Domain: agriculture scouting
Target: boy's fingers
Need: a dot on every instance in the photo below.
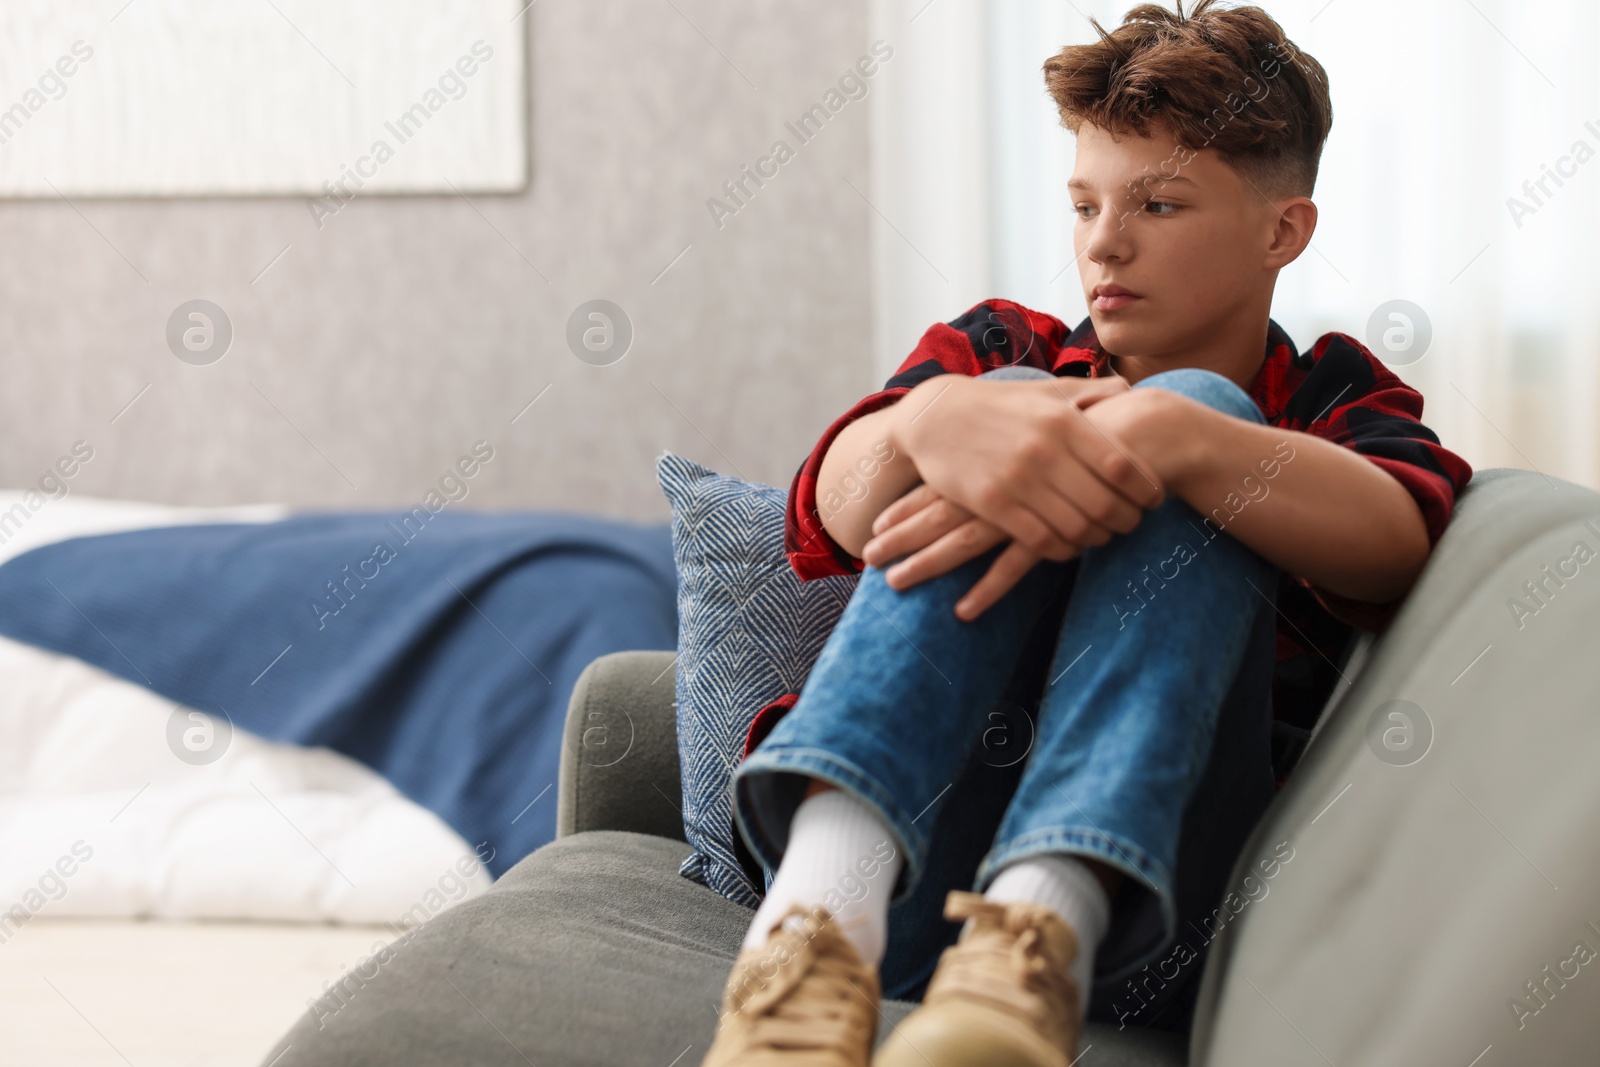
(1023, 524)
(915, 532)
(909, 504)
(1006, 571)
(972, 538)
(1097, 389)
(1136, 478)
(1080, 510)
(1114, 463)
(1085, 392)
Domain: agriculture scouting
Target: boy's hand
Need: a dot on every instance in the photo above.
(1146, 428)
(941, 536)
(1024, 457)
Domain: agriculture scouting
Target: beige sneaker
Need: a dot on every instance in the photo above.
(1001, 997)
(805, 999)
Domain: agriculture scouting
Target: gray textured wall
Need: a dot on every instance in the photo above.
(376, 350)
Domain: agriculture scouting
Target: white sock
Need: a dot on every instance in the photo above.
(842, 856)
(1065, 885)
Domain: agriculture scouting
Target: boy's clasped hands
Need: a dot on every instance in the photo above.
(1053, 466)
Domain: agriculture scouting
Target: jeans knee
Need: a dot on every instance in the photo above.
(1207, 387)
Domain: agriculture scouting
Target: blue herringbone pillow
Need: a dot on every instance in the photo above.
(748, 632)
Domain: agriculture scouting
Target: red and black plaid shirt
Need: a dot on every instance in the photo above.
(1338, 390)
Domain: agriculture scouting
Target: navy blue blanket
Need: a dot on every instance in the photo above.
(441, 655)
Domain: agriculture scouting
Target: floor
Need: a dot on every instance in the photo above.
(86, 993)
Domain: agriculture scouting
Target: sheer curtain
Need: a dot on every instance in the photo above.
(1461, 176)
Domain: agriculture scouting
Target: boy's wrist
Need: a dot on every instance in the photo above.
(1168, 431)
(905, 415)
(1184, 427)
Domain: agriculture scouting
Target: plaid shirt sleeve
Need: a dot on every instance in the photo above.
(1351, 398)
(995, 333)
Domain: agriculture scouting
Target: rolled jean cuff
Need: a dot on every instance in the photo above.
(1120, 853)
(758, 806)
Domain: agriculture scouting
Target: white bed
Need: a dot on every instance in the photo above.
(92, 992)
(155, 912)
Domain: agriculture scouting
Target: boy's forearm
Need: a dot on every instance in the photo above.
(1314, 508)
(862, 473)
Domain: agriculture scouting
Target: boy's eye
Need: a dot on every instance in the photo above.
(1087, 211)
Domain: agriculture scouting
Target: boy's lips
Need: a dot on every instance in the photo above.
(1112, 297)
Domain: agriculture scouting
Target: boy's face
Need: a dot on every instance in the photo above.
(1179, 228)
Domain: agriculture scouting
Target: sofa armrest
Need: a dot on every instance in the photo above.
(619, 755)
(1416, 873)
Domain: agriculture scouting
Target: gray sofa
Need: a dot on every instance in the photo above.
(1416, 894)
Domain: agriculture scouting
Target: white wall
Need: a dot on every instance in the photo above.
(369, 354)
(182, 97)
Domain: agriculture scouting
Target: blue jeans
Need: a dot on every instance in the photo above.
(1116, 706)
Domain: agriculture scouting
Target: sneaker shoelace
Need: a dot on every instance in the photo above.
(1005, 960)
(828, 1011)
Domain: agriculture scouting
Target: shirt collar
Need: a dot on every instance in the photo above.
(1082, 356)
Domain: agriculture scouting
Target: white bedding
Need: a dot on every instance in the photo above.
(99, 818)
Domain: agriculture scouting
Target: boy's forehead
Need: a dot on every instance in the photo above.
(1113, 160)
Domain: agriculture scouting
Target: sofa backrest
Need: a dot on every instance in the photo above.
(1425, 886)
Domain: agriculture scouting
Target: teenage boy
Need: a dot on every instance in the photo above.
(1124, 544)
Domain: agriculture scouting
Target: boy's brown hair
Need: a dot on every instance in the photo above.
(1222, 78)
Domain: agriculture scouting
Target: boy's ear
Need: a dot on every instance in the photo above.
(1296, 222)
